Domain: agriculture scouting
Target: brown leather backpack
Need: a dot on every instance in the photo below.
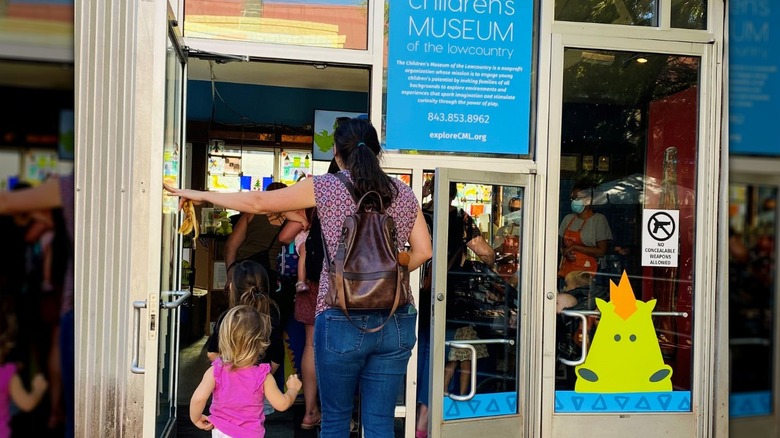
(365, 273)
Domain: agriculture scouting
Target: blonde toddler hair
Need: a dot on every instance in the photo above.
(243, 336)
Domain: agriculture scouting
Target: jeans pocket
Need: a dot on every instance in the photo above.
(341, 335)
(407, 329)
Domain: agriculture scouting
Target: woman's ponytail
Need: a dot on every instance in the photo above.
(358, 145)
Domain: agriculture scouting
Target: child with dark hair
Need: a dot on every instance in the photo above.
(249, 286)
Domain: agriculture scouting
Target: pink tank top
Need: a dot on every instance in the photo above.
(237, 404)
(7, 372)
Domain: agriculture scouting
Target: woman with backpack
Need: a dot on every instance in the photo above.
(369, 349)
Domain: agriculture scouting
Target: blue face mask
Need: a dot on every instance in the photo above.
(577, 206)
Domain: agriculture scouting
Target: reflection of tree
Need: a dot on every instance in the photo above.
(685, 14)
(620, 90)
(606, 11)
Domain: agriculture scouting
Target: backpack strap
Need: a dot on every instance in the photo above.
(338, 264)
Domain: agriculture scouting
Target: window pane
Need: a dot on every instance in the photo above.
(340, 24)
(689, 14)
(628, 168)
(630, 12)
(752, 286)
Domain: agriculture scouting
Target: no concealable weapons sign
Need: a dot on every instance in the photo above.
(660, 237)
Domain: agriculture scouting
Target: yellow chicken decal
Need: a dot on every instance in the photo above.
(625, 355)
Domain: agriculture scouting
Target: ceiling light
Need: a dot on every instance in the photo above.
(320, 66)
(641, 60)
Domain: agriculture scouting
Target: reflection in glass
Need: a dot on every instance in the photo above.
(339, 24)
(639, 112)
(689, 14)
(484, 226)
(685, 14)
(629, 12)
(752, 286)
(170, 276)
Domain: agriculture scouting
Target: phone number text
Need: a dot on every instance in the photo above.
(459, 118)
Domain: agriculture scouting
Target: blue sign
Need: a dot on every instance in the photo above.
(459, 76)
(754, 84)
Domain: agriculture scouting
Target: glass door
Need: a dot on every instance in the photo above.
(481, 225)
(626, 320)
(171, 296)
(753, 304)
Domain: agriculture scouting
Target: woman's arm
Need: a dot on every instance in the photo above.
(296, 197)
(594, 251)
(420, 243)
(482, 249)
(289, 231)
(297, 216)
(236, 238)
(42, 197)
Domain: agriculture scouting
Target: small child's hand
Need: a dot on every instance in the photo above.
(203, 423)
(294, 383)
(39, 384)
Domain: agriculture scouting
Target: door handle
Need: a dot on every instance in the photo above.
(182, 294)
(137, 306)
(469, 344)
(582, 316)
(473, 386)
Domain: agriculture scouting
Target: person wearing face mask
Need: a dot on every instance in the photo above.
(584, 234)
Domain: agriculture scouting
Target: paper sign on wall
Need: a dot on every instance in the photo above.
(660, 238)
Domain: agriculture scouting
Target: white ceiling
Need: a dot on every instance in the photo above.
(281, 74)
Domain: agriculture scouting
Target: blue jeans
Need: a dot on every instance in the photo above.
(347, 358)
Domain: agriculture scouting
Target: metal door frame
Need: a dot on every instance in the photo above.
(760, 171)
(504, 425)
(700, 420)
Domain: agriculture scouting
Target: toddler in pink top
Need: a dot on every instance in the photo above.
(238, 382)
(11, 385)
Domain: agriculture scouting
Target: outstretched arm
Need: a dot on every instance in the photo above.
(42, 197)
(296, 197)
